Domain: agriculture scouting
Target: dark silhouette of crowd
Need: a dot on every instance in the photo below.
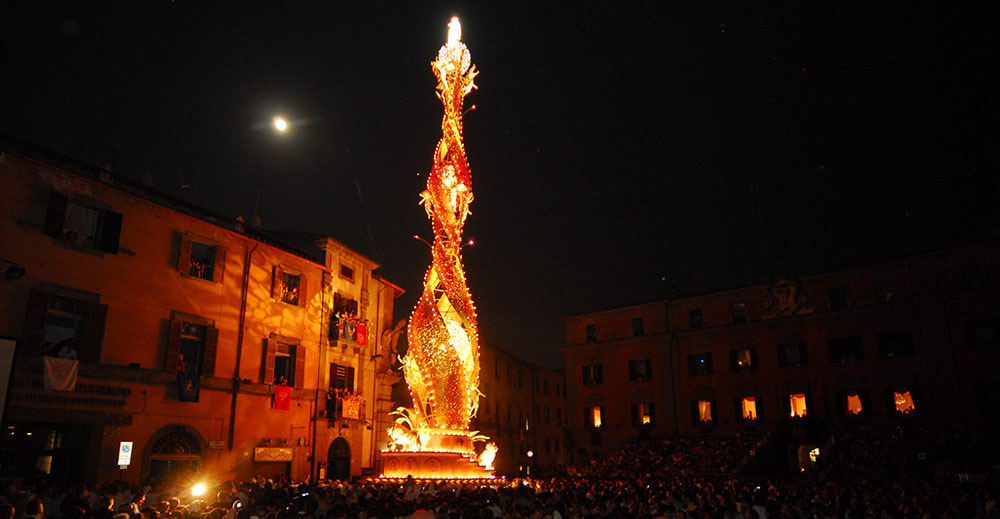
(900, 473)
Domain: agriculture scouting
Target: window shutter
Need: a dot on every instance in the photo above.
(32, 335)
(652, 414)
(269, 347)
(732, 360)
(300, 366)
(211, 345)
(184, 256)
(695, 417)
(56, 214)
(635, 415)
(92, 334)
(173, 345)
(753, 359)
(803, 350)
(220, 263)
(277, 275)
(302, 290)
(111, 231)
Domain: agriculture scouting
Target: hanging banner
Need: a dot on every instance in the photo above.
(282, 398)
(60, 374)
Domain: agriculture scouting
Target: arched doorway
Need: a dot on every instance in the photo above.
(175, 452)
(338, 460)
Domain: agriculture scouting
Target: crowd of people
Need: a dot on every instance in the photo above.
(903, 473)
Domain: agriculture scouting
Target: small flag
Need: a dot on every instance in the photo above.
(282, 398)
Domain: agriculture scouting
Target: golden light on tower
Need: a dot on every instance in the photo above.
(432, 439)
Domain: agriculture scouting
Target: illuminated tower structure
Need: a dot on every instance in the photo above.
(432, 439)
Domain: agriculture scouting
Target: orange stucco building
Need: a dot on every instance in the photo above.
(209, 345)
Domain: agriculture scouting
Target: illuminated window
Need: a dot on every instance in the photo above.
(283, 366)
(82, 223)
(192, 342)
(640, 370)
(748, 408)
(642, 415)
(700, 364)
(288, 286)
(704, 408)
(854, 404)
(744, 359)
(201, 258)
(344, 320)
(797, 402)
(593, 415)
(903, 402)
(739, 311)
(593, 375)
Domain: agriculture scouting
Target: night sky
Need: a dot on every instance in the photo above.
(619, 154)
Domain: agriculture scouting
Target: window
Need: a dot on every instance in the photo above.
(593, 375)
(797, 404)
(545, 386)
(496, 369)
(903, 401)
(640, 370)
(839, 297)
(637, 327)
(697, 318)
(288, 286)
(700, 364)
(894, 344)
(347, 272)
(844, 350)
(982, 334)
(520, 379)
(592, 417)
(283, 357)
(739, 311)
(591, 333)
(748, 409)
(642, 415)
(792, 355)
(342, 378)
(191, 343)
(83, 224)
(60, 318)
(743, 359)
(344, 323)
(852, 402)
(548, 417)
(702, 411)
(201, 258)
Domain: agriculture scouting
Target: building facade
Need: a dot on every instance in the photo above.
(211, 347)
(522, 409)
(913, 340)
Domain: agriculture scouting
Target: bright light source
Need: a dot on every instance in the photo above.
(531, 454)
(198, 489)
(280, 124)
